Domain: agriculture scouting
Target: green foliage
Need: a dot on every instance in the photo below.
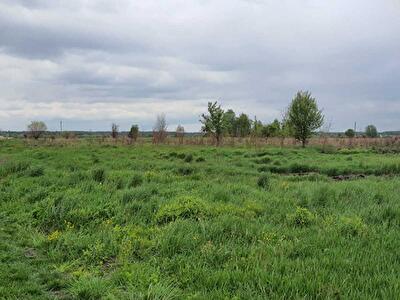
(303, 116)
(99, 175)
(264, 181)
(371, 131)
(183, 208)
(134, 132)
(350, 133)
(135, 181)
(189, 158)
(243, 125)
(214, 123)
(302, 217)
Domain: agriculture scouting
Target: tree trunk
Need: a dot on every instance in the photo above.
(303, 143)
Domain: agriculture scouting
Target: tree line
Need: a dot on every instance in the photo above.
(300, 120)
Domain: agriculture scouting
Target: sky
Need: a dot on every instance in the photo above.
(92, 63)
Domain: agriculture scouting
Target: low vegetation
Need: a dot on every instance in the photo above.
(80, 221)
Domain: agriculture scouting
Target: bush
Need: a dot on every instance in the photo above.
(200, 159)
(183, 208)
(302, 217)
(264, 181)
(185, 171)
(135, 181)
(36, 172)
(351, 227)
(188, 158)
(99, 175)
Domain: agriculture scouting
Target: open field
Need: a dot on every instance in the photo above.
(94, 221)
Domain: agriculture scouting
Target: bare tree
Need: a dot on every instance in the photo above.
(36, 129)
(114, 130)
(160, 129)
(180, 133)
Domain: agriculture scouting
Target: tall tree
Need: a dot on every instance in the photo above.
(114, 130)
(133, 133)
(36, 129)
(371, 131)
(304, 117)
(213, 122)
(243, 125)
(230, 122)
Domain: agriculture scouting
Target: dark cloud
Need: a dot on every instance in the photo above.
(65, 59)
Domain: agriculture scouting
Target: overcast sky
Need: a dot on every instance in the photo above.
(91, 63)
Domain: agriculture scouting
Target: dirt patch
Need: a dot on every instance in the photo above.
(348, 177)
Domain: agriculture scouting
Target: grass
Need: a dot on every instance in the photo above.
(86, 221)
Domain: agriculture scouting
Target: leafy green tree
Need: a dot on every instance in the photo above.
(36, 129)
(230, 122)
(257, 127)
(371, 131)
(214, 122)
(243, 125)
(133, 133)
(350, 133)
(304, 117)
(272, 130)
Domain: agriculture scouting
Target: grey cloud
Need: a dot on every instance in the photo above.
(252, 55)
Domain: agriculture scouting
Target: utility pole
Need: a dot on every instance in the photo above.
(61, 126)
(355, 128)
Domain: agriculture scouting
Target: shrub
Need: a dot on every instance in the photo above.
(187, 207)
(302, 217)
(200, 159)
(351, 227)
(181, 155)
(99, 175)
(264, 181)
(189, 158)
(36, 171)
(300, 168)
(135, 181)
(185, 171)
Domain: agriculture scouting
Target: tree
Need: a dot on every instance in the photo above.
(36, 129)
(180, 133)
(230, 122)
(243, 125)
(371, 131)
(114, 130)
(257, 127)
(271, 130)
(214, 122)
(160, 129)
(350, 133)
(133, 133)
(304, 117)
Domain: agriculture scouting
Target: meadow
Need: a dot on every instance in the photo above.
(103, 221)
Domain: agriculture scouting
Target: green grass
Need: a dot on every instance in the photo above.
(145, 222)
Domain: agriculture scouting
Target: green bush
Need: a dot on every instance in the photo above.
(185, 171)
(352, 226)
(188, 158)
(188, 207)
(200, 159)
(302, 217)
(264, 181)
(36, 171)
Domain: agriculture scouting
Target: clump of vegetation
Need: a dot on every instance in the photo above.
(185, 170)
(188, 207)
(36, 171)
(200, 159)
(99, 175)
(135, 180)
(264, 181)
(352, 226)
(189, 158)
(302, 217)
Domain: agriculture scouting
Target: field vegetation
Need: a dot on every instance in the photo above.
(137, 221)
